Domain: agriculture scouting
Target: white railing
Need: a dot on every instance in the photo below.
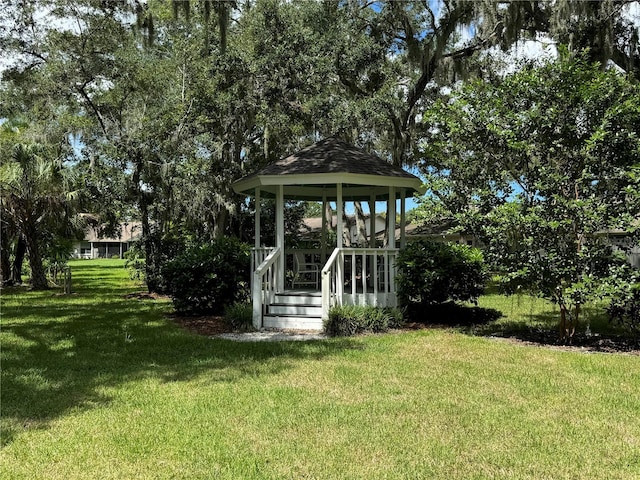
(257, 257)
(264, 281)
(359, 276)
(331, 288)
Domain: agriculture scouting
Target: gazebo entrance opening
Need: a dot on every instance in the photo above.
(328, 171)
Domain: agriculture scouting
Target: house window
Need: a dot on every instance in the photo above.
(85, 248)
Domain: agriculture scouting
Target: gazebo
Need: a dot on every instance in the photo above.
(327, 171)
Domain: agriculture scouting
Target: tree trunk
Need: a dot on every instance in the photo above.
(18, 259)
(361, 226)
(385, 237)
(563, 322)
(328, 214)
(220, 223)
(38, 277)
(346, 230)
(150, 252)
(5, 264)
(568, 322)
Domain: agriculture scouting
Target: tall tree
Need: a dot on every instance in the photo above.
(36, 196)
(392, 58)
(540, 166)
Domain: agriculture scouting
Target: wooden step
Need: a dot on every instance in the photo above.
(292, 321)
(299, 298)
(305, 310)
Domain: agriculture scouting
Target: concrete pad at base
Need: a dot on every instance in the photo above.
(272, 336)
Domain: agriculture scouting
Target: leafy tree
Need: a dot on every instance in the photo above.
(312, 209)
(540, 166)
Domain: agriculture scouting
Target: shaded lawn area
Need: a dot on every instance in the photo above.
(527, 319)
(98, 385)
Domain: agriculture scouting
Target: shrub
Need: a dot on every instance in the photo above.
(436, 272)
(624, 308)
(347, 320)
(239, 316)
(161, 250)
(206, 278)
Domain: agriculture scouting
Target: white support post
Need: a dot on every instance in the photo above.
(339, 207)
(403, 237)
(256, 299)
(257, 219)
(339, 232)
(340, 278)
(372, 220)
(391, 213)
(280, 237)
(323, 239)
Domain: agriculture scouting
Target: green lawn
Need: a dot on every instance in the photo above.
(95, 386)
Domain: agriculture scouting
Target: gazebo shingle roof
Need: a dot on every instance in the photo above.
(315, 172)
(332, 155)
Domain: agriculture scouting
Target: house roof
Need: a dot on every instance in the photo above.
(314, 172)
(128, 232)
(314, 224)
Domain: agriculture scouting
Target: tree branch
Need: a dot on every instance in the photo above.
(96, 112)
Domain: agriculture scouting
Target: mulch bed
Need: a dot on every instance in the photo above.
(203, 325)
(211, 325)
(215, 325)
(207, 325)
(579, 343)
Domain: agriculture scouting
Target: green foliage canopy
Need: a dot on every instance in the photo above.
(540, 166)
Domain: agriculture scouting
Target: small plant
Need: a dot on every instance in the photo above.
(55, 261)
(134, 262)
(239, 316)
(347, 320)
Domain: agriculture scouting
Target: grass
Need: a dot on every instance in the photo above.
(520, 311)
(95, 385)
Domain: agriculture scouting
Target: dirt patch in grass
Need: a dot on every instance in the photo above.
(207, 325)
(146, 296)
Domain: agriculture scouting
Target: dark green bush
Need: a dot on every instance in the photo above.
(162, 249)
(239, 316)
(624, 307)
(347, 320)
(206, 278)
(435, 272)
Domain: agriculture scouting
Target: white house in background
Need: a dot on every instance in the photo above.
(95, 246)
(439, 233)
(623, 242)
